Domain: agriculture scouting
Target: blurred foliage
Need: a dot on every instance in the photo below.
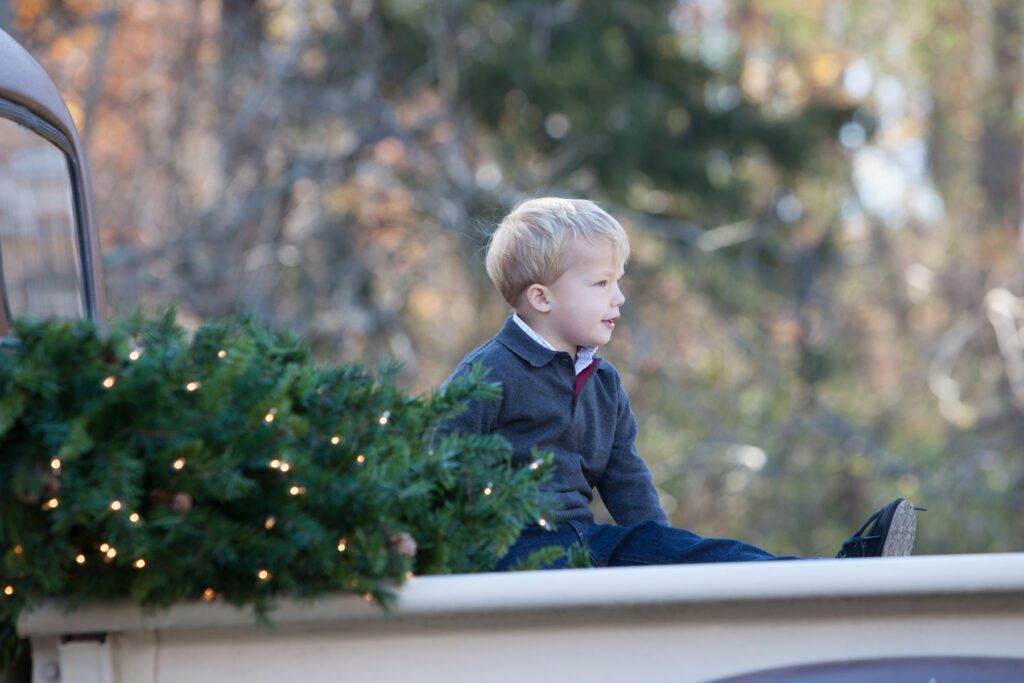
(824, 200)
(607, 94)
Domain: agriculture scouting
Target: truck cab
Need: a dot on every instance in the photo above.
(50, 264)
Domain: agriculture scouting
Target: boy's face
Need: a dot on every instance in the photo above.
(584, 301)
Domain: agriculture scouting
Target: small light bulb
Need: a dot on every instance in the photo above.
(342, 544)
(179, 464)
(193, 385)
(109, 382)
(263, 575)
(535, 464)
(80, 558)
(139, 563)
(275, 464)
(297, 490)
(335, 440)
(112, 553)
(488, 490)
(55, 464)
(134, 517)
(222, 354)
(135, 355)
(285, 467)
(115, 505)
(360, 458)
(18, 550)
(542, 522)
(8, 589)
(269, 417)
(209, 594)
(384, 417)
(51, 504)
(104, 547)
(269, 523)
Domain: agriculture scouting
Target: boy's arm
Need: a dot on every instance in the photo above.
(626, 486)
(479, 417)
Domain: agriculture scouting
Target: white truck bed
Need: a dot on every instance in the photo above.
(668, 623)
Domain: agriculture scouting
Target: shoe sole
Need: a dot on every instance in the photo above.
(899, 542)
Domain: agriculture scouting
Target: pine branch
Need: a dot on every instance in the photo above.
(144, 463)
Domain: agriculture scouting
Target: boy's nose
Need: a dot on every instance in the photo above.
(620, 297)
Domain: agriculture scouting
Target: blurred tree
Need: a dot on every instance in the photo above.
(1002, 141)
(6, 16)
(608, 94)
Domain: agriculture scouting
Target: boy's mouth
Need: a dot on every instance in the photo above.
(610, 322)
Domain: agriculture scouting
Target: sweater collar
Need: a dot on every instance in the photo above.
(522, 340)
(584, 354)
(518, 342)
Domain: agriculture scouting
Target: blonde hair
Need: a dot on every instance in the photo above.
(528, 245)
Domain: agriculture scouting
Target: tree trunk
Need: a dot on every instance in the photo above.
(1002, 143)
(7, 17)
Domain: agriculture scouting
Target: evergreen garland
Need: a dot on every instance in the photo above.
(146, 463)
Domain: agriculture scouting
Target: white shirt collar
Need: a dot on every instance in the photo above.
(584, 354)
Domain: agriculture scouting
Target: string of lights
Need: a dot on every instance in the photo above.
(147, 462)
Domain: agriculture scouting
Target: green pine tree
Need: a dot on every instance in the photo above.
(142, 462)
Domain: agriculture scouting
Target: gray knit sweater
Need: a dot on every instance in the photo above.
(592, 438)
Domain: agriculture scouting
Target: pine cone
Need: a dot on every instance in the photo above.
(51, 484)
(161, 497)
(182, 502)
(176, 500)
(403, 544)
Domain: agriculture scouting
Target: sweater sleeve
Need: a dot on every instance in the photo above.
(479, 417)
(626, 486)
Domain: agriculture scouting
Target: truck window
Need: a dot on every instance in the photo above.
(40, 259)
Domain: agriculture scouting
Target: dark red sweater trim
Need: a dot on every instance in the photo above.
(582, 378)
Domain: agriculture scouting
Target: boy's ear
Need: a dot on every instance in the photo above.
(537, 297)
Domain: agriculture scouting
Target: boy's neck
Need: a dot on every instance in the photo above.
(535, 328)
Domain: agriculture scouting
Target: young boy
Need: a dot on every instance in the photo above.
(558, 263)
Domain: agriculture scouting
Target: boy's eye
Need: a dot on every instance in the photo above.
(602, 283)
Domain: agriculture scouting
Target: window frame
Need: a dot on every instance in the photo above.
(21, 115)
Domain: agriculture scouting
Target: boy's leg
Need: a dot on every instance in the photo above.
(652, 543)
(888, 532)
(534, 538)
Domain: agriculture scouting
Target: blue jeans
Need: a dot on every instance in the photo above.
(624, 546)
